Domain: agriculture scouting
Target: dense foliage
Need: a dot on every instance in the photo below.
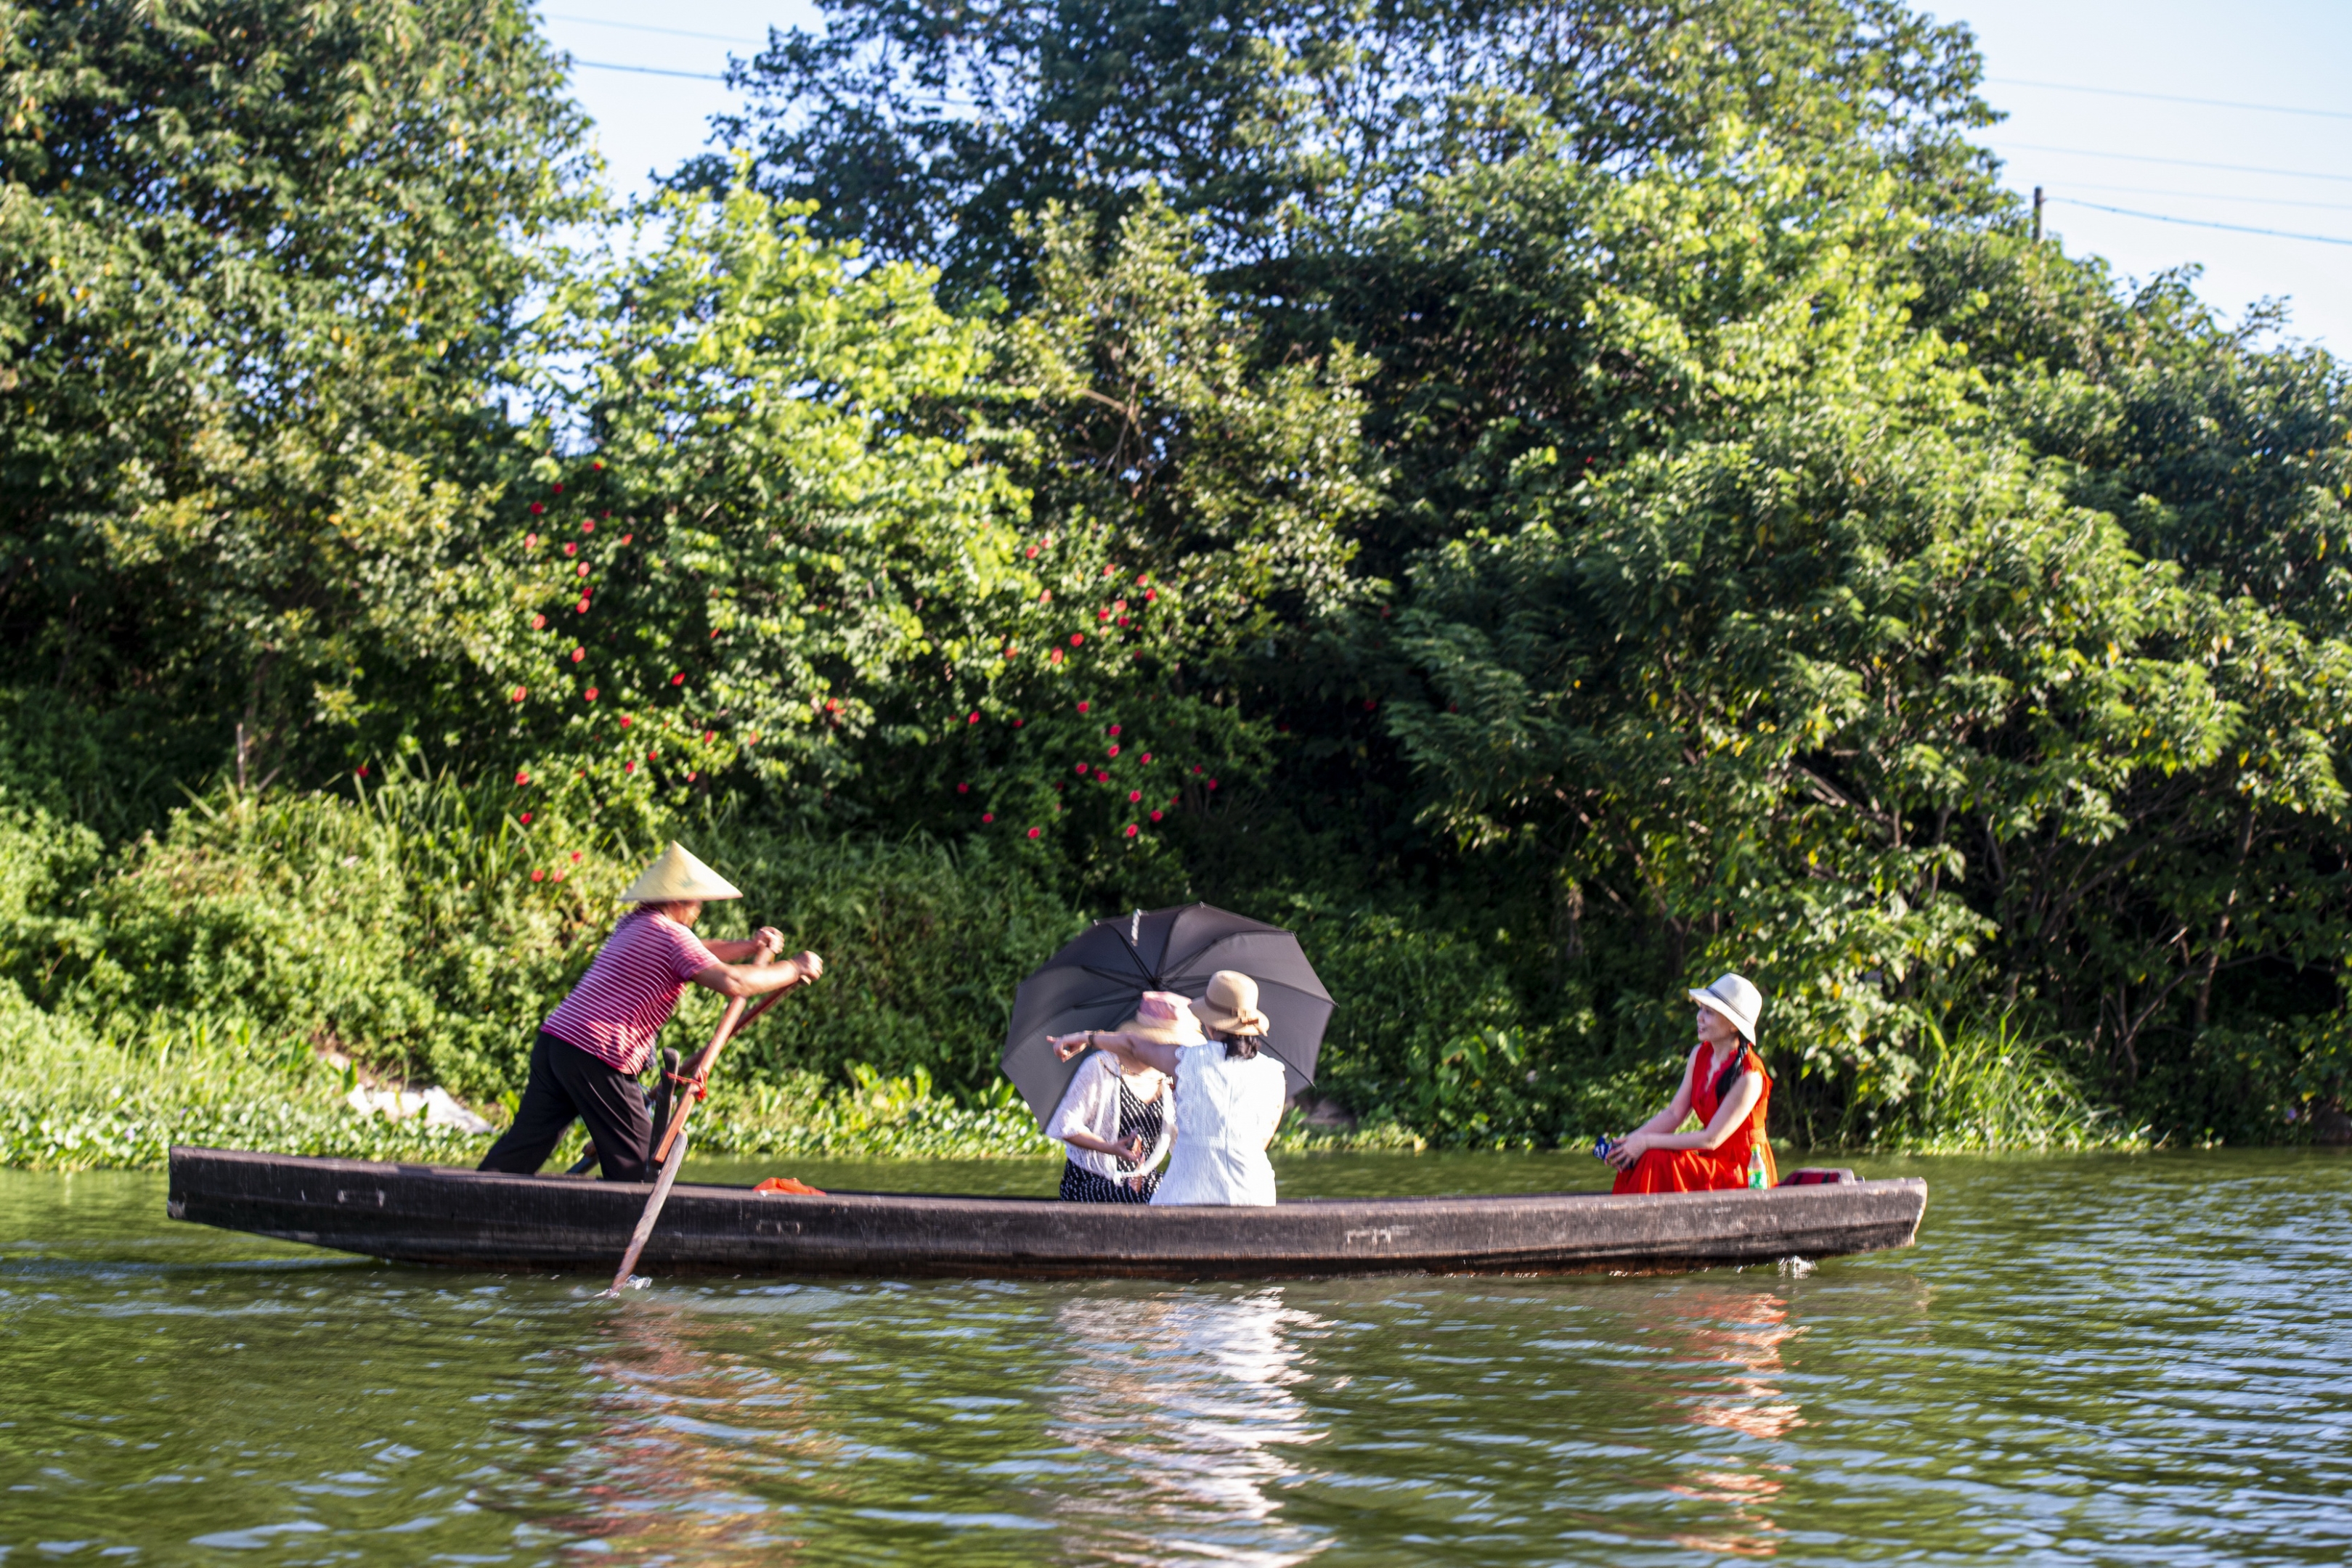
(1552, 502)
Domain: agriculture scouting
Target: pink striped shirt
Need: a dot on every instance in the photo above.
(631, 989)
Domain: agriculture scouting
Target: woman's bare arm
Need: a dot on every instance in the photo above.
(1737, 1106)
(1155, 1054)
(759, 979)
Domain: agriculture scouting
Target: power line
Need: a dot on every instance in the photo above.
(648, 70)
(643, 28)
(2169, 98)
(2185, 162)
(2217, 196)
(2199, 223)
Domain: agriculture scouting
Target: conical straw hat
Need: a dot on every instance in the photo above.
(679, 875)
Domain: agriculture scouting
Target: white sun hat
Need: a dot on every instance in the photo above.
(677, 875)
(1736, 998)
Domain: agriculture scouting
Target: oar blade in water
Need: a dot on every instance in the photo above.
(652, 1208)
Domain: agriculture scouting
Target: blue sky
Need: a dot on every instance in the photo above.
(2060, 67)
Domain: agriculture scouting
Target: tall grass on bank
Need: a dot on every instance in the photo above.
(1996, 1085)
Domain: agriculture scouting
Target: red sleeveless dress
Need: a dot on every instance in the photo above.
(1707, 1170)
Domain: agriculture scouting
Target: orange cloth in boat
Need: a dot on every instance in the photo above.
(792, 1184)
(1707, 1170)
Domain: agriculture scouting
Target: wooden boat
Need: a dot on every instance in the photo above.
(435, 1214)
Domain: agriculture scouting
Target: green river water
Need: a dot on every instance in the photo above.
(2127, 1360)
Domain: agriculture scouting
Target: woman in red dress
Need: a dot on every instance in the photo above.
(1724, 1082)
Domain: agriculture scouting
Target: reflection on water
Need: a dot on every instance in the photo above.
(1186, 1407)
(2106, 1360)
(1732, 1339)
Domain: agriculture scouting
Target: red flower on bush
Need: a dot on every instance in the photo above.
(520, 692)
(598, 465)
(1113, 730)
(678, 679)
(1031, 554)
(1111, 752)
(587, 528)
(1055, 657)
(525, 819)
(583, 569)
(1146, 759)
(987, 816)
(570, 549)
(537, 621)
(1078, 639)
(1082, 768)
(1212, 783)
(973, 718)
(963, 789)
(625, 721)
(1133, 796)
(1155, 816)
(1130, 829)
(1102, 614)
(627, 538)
(522, 778)
(1150, 594)
(536, 509)
(578, 654)
(590, 694)
(1143, 578)
(362, 771)
(575, 857)
(538, 877)
(581, 608)
(628, 767)
(530, 541)
(1083, 707)
(558, 489)
(1122, 620)
(1370, 705)
(1034, 832)
(559, 876)
(709, 735)
(1019, 722)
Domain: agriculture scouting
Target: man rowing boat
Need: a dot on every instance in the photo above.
(591, 1048)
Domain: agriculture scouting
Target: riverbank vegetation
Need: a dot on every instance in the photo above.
(1552, 502)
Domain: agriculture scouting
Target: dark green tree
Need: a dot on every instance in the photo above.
(265, 263)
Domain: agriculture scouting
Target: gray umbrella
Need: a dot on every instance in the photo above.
(1096, 981)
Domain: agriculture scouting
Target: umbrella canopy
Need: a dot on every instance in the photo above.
(1096, 981)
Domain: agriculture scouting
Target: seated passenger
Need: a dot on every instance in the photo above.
(1114, 1115)
(1724, 1082)
(1228, 1097)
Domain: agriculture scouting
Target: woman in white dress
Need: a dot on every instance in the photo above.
(1115, 1115)
(1229, 1096)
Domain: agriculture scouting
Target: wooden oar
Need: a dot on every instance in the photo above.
(672, 1153)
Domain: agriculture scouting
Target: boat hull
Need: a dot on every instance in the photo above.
(434, 1214)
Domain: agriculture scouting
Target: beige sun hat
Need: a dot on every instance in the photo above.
(1736, 998)
(677, 875)
(1165, 1018)
(1230, 1005)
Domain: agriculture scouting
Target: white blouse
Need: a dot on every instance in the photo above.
(1230, 1106)
(1090, 1104)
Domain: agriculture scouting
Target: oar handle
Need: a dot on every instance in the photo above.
(690, 1080)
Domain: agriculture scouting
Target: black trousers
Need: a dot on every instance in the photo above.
(567, 1082)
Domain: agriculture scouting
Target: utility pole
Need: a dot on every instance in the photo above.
(2037, 215)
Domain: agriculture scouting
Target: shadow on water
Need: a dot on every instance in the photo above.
(2100, 1360)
